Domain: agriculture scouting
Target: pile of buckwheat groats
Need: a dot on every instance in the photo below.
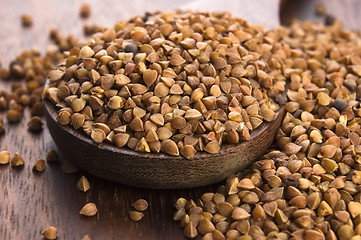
(178, 82)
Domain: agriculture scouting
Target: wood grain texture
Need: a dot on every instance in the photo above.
(158, 171)
(31, 202)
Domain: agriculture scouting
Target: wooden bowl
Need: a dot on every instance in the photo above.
(158, 171)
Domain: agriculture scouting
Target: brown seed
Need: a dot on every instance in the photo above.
(188, 43)
(149, 77)
(212, 147)
(274, 181)
(324, 209)
(313, 200)
(188, 151)
(121, 80)
(86, 52)
(177, 60)
(357, 177)
(157, 119)
(323, 99)
(298, 201)
(218, 198)
(268, 114)
(64, 117)
(332, 196)
(329, 165)
(26, 20)
(120, 139)
(35, 124)
(328, 151)
(292, 148)
(215, 91)
(4, 157)
(305, 222)
(354, 208)
(225, 208)
(239, 214)
(317, 169)
(139, 33)
(4, 73)
(273, 194)
(316, 136)
(190, 230)
(196, 95)
(137, 124)
(78, 104)
(205, 226)
(342, 216)
(16, 160)
(243, 227)
(246, 184)
(50, 233)
(185, 220)
(106, 82)
(85, 10)
(98, 135)
(37, 109)
(89, 210)
(280, 217)
(142, 146)
(250, 198)
(136, 216)
(115, 103)
(164, 133)
(170, 147)
(181, 203)
(83, 184)
(258, 213)
(320, 9)
(77, 120)
(54, 76)
(345, 232)
(176, 89)
(152, 57)
(13, 115)
(219, 63)
(192, 114)
(109, 35)
(233, 137)
(161, 90)
(151, 136)
(178, 123)
(179, 214)
(313, 235)
(155, 146)
(270, 208)
(52, 156)
(140, 205)
(39, 165)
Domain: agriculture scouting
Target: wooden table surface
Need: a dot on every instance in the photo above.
(30, 202)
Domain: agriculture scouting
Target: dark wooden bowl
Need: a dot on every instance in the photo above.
(158, 171)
